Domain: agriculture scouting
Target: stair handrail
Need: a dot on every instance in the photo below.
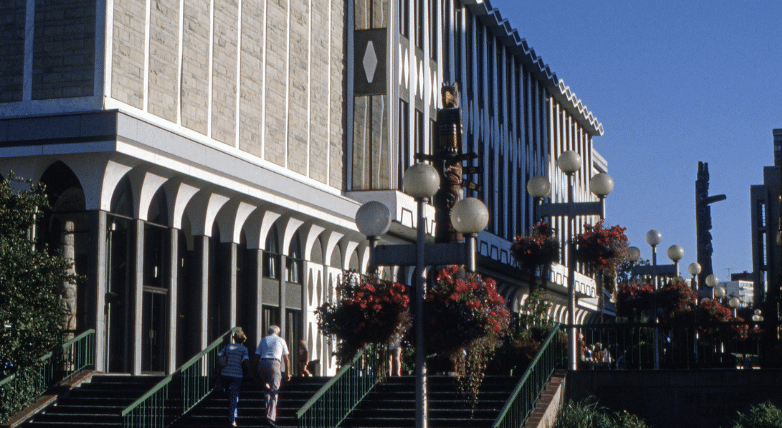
(522, 400)
(57, 365)
(342, 393)
(157, 409)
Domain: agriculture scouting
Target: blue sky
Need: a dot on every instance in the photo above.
(673, 83)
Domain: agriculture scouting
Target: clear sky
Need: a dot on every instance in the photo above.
(673, 83)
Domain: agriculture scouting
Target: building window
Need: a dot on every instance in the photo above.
(433, 28)
(403, 147)
(271, 257)
(404, 18)
(419, 23)
(371, 148)
(371, 14)
(294, 262)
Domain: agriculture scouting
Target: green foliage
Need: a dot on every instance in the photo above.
(589, 414)
(30, 308)
(765, 415)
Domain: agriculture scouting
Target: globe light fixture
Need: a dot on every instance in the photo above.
(719, 292)
(469, 216)
(653, 237)
(601, 184)
(734, 302)
(538, 187)
(569, 161)
(633, 254)
(675, 253)
(712, 281)
(694, 269)
(421, 181)
(373, 219)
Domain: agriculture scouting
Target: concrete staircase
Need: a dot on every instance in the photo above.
(213, 410)
(96, 403)
(392, 403)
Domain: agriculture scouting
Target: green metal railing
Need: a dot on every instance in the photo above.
(178, 392)
(29, 383)
(522, 400)
(342, 393)
(683, 345)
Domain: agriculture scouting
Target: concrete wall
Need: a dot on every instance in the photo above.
(673, 398)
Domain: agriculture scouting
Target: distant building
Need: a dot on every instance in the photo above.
(765, 209)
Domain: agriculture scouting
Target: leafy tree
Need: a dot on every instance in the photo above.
(31, 310)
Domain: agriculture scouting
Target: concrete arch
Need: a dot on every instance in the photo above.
(144, 185)
(332, 239)
(231, 219)
(258, 225)
(310, 234)
(202, 210)
(288, 226)
(178, 195)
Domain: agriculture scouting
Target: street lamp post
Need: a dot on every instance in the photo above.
(711, 282)
(469, 216)
(694, 269)
(653, 238)
(539, 187)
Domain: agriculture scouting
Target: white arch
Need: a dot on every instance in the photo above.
(312, 233)
(178, 195)
(331, 243)
(347, 246)
(204, 207)
(231, 219)
(291, 225)
(144, 185)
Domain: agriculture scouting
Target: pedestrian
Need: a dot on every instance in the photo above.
(273, 358)
(395, 357)
(237, 359)
(304, 359)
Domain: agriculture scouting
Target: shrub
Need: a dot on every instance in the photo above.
(765, 415)
(589, 414)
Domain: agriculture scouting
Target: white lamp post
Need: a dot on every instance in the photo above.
(711, 282)
(468, 216)
(539, 187)
(675, 253)
(694, 269)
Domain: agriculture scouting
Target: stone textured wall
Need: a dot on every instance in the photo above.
(12, 49)
(63, 49)
(263, 76)
(127, 79)
(163, 58)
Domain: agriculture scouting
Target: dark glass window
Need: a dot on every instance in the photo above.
(271, 256)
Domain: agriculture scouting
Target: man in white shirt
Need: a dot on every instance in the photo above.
(271, 351)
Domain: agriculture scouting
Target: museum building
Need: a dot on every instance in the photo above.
(205, 158)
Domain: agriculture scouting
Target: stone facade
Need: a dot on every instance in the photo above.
(63, 50)
(12, 50)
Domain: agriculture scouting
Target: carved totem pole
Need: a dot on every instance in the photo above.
(447, 159)
(703, 221)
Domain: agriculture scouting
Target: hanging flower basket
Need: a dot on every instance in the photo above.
(369, 310)
(600, 248)
(460, 310)
(540, 248)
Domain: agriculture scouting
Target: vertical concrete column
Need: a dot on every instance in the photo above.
(137, 291)
(283, 287)
(232, 261)
(96, 283)
(68, 290)
(173, 293)
(201, 333)
(256, 291)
